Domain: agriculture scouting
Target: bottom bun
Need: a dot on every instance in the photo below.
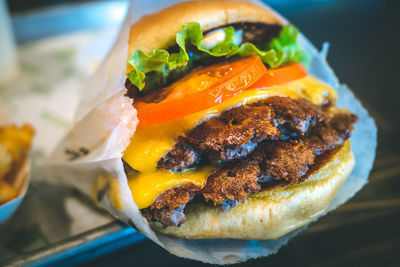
(272, 213)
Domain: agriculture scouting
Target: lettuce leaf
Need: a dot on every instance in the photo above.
(279, 50)
(287, 48)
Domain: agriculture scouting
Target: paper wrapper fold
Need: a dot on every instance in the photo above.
(105, 121)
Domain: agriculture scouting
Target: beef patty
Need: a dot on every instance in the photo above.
(254, 147)
(237, 132)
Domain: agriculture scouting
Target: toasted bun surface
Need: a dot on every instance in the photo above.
(158, 30)
(272, 213)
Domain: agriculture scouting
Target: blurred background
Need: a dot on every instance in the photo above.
(364, 39)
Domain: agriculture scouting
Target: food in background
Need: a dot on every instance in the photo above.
(15, 143)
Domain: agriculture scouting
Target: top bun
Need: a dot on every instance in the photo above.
(158, 30)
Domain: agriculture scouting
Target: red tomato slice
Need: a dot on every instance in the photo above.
(203, 88)
(280, 76)
(208, 86)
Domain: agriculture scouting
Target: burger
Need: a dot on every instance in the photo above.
(235, 139)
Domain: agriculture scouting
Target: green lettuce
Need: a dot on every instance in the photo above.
(160, 63)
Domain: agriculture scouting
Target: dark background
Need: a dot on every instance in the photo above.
(365, 53)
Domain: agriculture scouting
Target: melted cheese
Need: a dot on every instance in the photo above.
(151, 143)
(147, 186)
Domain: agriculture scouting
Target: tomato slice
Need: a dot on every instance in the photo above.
(203, 88)
(280, 76)
(206, 87)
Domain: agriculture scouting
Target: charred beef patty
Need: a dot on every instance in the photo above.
(237, 132)
(274, 142)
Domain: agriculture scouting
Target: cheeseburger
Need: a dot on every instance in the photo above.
(235, 139)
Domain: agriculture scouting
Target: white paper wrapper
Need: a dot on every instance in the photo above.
(105, 120)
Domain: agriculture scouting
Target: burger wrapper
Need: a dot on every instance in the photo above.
(105, 120)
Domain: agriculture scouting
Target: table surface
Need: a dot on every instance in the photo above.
(365, 231)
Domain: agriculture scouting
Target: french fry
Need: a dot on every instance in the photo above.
(7, 192)
(5, 161)
(15, 143)
(17, 140)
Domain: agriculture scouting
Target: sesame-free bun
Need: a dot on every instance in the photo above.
(158, 30)
(272, 213)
